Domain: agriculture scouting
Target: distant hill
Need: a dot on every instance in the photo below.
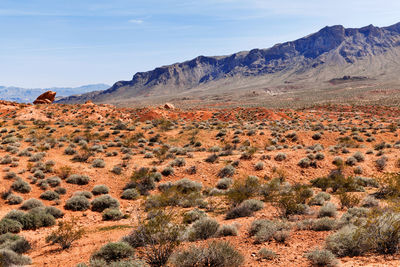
(23, 95)
(311, 69)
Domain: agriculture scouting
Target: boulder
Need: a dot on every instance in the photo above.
(169, 106)
(45, 98)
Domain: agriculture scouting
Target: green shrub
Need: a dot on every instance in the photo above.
(130, 194)
(54, 211)
(266, 254)
(345, 242)
(14, 199)
(224, 183)
(264, 230)
(114, 251)
(37, 218)
(203, 229)
(66, 233)
(100, 190)
(160, 235)
(10, 226)
(11, 258)
(50, 195)
(14, 242)
(245, 209)
(227, 171)
(327, 210)
(112, 214)
(98, 163)
(104, 202)
(227, 230)
(322, 258)
(78, 179)
(319, 198)
(216, 254)
(21, 186)
(242, 190)
(193, 215)
(31, 203)
(77, 203)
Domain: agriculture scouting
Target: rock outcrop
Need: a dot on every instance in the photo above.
(45, 98)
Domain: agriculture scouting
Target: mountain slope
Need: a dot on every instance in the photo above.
(309, 62)
(24, 95)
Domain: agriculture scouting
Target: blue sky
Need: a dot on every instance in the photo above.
(45, 43)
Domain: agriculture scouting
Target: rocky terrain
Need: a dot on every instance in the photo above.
(300, 70)
(96, 185)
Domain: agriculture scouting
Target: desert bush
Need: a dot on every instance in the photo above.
(60, 190)
(193, 215)
(319, 198)
(85, 194)
(381, 163)
(242, 190)
(77, 203)
(203, 229)
(50, 195)
(370, 202)
(259, 166)
(112, 214)
(143, 180)
(66, 234)
(322, 258)
(353, 216)
(56, 213)
(304, 163)
(359, 156)
(246, 208)
(114, 251)
(100, 190)
(167, 171)
(21, 186)
(227, 230)
(117, 169)
(104, 202)
(347, 200)
(266, 254)
(78, 179)
(224, 183)
(14, 199)
(15, 243)
(9, 226)
(351, 161)
(327, 210)
(130, 194)
(53, 181)
(11, 258)
(98, 163)
(345, 242)
(280, 156)
(37, 218)
(31, 203)
(264, 230)
(216, 254)
(227, 171)
(159, 235)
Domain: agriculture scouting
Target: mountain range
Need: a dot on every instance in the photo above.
(24, 95)
(333, 64)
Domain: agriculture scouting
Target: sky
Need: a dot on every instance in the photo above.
(46, 43)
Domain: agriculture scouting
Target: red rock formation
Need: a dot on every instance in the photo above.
(45, 98)
(169, 106)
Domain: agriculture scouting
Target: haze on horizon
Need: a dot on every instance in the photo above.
(70, 43)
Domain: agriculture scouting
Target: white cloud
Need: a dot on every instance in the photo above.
(136, 21)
